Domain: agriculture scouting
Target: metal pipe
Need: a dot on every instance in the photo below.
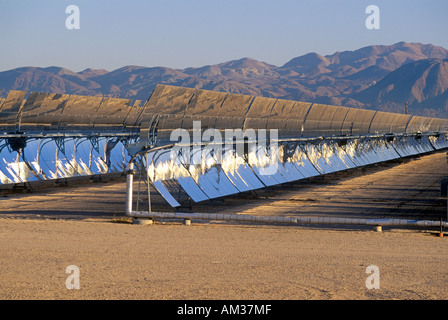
(287, 220)
(129, 191)
(67, 135)
(311, 140)
(148, 185)
(130, 179)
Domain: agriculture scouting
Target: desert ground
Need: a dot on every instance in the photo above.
(44, 231)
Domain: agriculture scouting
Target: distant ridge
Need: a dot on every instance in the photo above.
(377, 77)
(422, 84)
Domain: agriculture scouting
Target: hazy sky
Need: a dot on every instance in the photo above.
(193, 33)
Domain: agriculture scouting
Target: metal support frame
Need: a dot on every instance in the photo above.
(288, 220)
(19, 142)
(248, 218)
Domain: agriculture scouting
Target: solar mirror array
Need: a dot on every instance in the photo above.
(196, 144)
(47, 136)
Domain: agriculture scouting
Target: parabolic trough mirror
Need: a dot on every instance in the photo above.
(197, 144)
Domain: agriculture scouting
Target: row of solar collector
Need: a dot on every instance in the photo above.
(44, 159)
(308, 160)
(178, 107)
(41, 112)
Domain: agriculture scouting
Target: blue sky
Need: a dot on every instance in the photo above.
(194, 33)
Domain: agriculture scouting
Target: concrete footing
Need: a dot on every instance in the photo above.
(142, 222)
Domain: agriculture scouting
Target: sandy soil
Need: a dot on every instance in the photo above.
(207, 261)
(44, 232)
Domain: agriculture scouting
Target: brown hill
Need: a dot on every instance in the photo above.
(422, 84)
(349, 78)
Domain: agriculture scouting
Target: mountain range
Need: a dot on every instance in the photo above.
(378, 77)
